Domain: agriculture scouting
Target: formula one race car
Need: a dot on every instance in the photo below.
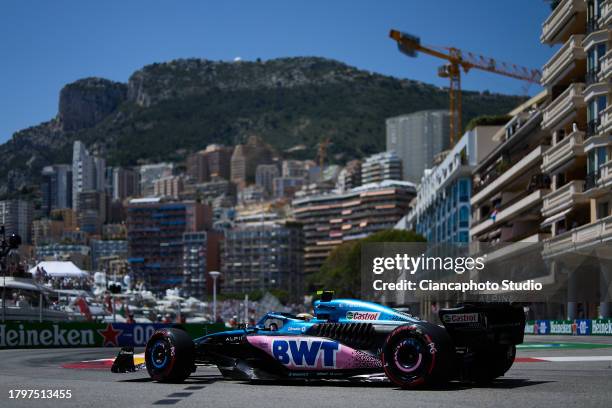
(348, 339)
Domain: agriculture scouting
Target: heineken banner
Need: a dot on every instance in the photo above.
(579, 327)
(82, 334)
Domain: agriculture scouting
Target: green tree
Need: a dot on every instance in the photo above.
(341, 271)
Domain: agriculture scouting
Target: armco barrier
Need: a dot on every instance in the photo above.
(579, 327)
(85, 334)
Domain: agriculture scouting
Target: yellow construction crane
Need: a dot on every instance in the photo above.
(457, 60)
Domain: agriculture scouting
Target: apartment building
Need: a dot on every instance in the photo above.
(88, 172)
(56, 188)
(333, 218)
(508, 184)
(171, 186)
(350, 176)
(16, 216)
(155, 239)
(93, 211)
(263, 255)
(578, 119)
(124, 183)
(442, 209)
(417, 138)
(381, 166)
(210, 164)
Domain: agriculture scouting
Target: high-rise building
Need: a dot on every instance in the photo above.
(88, 172)
(263, 255)
(331, 219)
(200, 255)
(56, 187)
(16, 216)
(264, 177)
(578, 118)
(197, 167)
(213, 163)
(171, 186)
(92, 211)
(247, 157)
(417, 138)
(380, 167)
(124, 183)
(194, 263)
(155, 238)
(442, 208)
(350, 176)
(508, 184)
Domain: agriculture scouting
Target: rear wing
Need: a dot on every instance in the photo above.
(477, 324)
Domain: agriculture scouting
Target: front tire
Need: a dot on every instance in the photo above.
(170, 355)
(417, 356)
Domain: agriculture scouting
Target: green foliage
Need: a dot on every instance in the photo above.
(341, 271)
(487, 120)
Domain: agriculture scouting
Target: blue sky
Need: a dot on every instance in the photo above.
(46, 44)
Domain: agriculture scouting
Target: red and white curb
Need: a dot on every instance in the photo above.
(564, 359)
(101, 364)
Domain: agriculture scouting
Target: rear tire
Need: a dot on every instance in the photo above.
(170, 355)
(418, 355)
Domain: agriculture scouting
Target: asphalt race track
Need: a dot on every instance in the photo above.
(585, 380)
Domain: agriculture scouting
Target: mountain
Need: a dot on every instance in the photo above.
(167, 110)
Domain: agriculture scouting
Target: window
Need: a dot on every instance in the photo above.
(591, 164)
(464, 190)
(601, 104)
(464, 217)
(602, 156)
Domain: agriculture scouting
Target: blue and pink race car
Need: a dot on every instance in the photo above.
(347, 339)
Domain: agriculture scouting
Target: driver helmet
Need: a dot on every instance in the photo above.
(305, 316)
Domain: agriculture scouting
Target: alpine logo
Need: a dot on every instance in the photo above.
(461, 318)
(362, 315)
(306, 353)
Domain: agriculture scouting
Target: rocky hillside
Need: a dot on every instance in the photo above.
(169, 109)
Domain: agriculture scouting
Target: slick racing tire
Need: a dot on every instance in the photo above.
(170, 355)
(416, 356)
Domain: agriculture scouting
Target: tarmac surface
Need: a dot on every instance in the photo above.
(585, 380)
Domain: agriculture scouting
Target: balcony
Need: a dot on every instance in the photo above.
(563, 63)
(565, 150)
(563, 107)
(605, 175)
(584, 236)
(605, 69)
(564, 20)
(606, 120)
(564, 198)
(606, 13)
(509, 210)
(501, 179)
